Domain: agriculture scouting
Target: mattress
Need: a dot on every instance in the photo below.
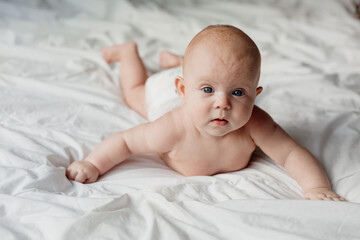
(59, 100)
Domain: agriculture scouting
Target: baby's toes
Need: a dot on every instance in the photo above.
(105, 53)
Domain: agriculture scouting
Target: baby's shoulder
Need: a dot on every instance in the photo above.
(260, 125)
(170, 124)
(160, 135)
(259, 119)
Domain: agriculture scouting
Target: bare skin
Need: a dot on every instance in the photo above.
(170, 60)
(218, 119)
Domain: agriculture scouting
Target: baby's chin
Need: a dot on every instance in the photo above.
(219, 131)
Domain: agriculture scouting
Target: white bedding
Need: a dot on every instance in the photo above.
(58, 100)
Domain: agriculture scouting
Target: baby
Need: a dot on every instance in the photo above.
(217, 127)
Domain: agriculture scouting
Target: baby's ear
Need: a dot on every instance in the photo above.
(258, 90)
(180, 87)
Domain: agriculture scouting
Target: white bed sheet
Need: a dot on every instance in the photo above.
(58, 100)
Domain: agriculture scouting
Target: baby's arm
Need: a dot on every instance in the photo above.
(298, 161)
(112, 151)
(157, 136)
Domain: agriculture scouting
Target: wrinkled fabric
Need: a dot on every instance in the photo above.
(59, 100)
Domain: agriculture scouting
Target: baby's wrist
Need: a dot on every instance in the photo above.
(315, 189)
(92, 165)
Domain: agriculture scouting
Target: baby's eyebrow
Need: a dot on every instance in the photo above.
(205, 77)
(206, 81)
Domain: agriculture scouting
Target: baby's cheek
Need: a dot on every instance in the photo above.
(243, 113)
(198, 112)
(198, 107)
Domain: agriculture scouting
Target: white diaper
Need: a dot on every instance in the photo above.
(160, 93)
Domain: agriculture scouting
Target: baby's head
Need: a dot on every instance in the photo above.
(226, 43)
(220, 75)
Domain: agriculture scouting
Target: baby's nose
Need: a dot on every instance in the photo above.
(222, 102)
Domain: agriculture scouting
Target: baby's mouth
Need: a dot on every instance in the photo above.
(219, 122)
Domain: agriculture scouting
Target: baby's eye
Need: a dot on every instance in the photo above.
(207, 90)
(238, 93)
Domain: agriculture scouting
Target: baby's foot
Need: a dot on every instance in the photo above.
(116, 52)
(169, 60)
(322, 194)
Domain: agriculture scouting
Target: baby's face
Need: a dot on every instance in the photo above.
(220, 89)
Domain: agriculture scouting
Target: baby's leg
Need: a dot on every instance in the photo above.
(170, 60)
(132, 74)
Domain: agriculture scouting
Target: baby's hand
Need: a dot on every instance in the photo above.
(322, 194)
(82, 171)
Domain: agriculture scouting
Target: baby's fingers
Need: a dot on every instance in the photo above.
(91, 179)
(333, 197)
(339, 199)
(81, 176)
(71, 174)
(323, 194)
